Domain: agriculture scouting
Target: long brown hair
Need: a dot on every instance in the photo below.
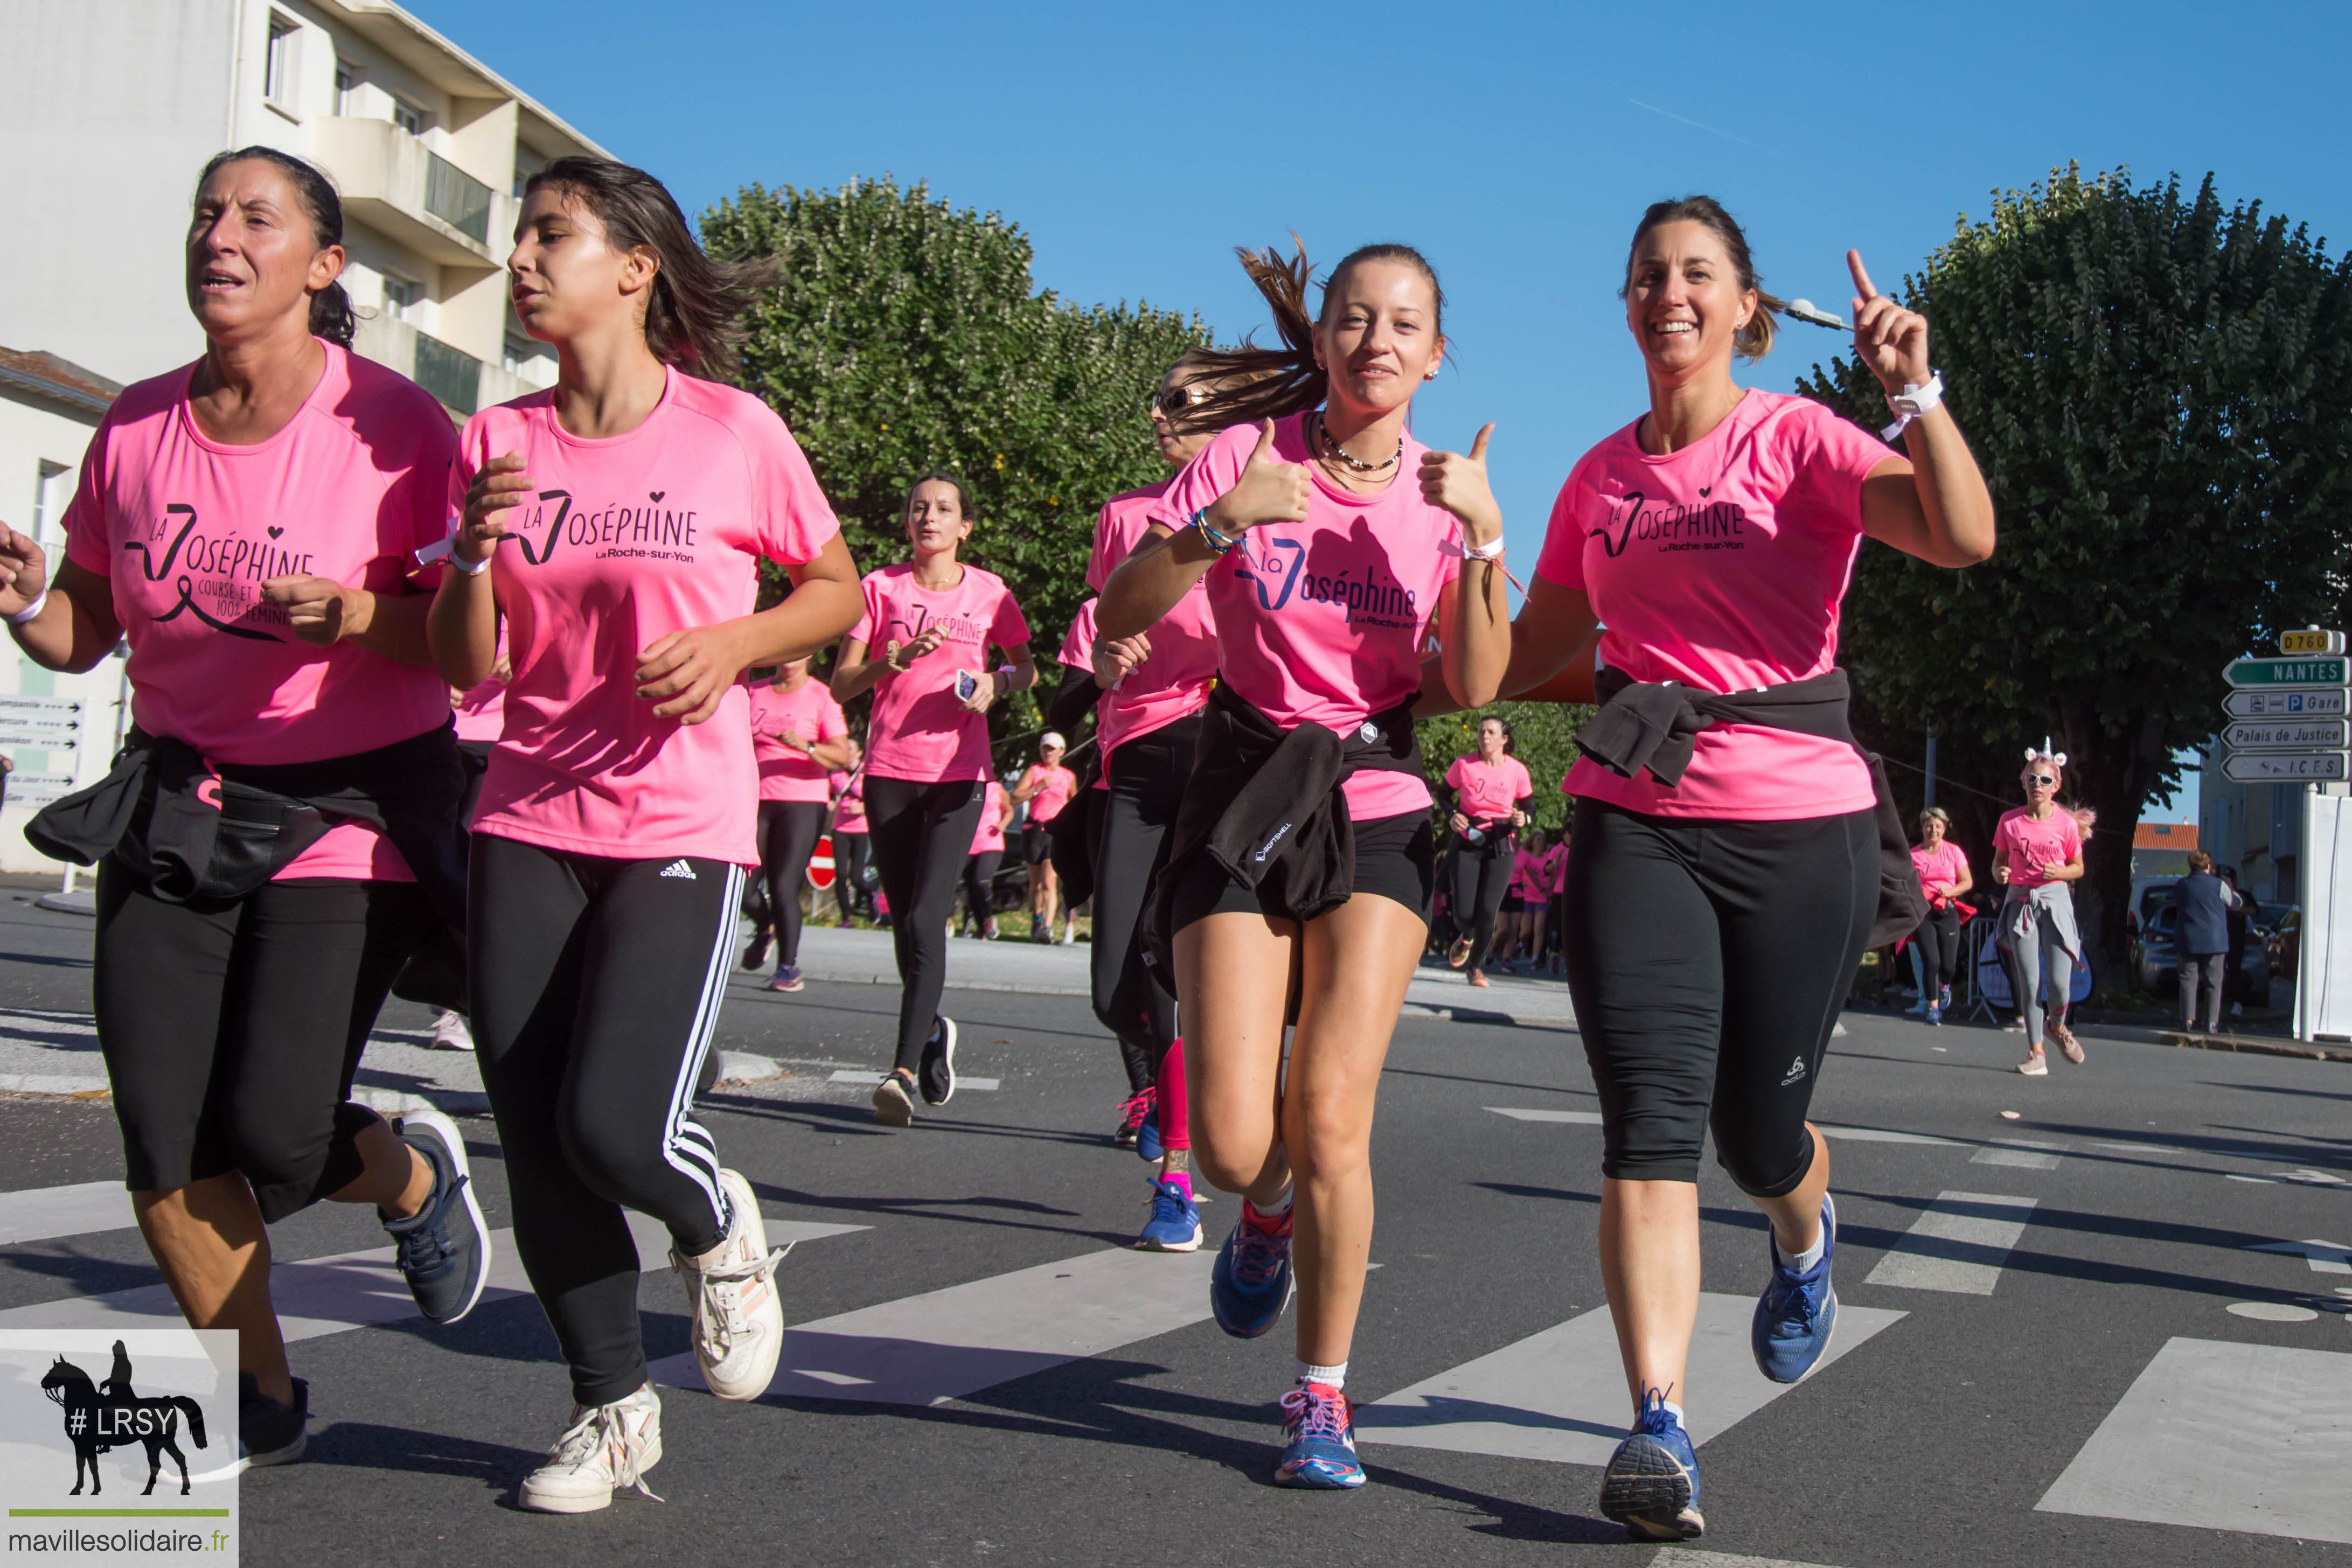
(1257, 383)
(1754, 340)
(693, 314)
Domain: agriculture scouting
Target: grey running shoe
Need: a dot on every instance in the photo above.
(937, 1071)
(893, 1106)
(268, 1433)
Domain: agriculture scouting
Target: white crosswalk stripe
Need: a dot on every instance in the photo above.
(1577, 1118)
(963, 1081)
(945, 1344)
(1689, 1557)
(2217, 1435)
(1827, 1129)
(1559, 1395)
(1959, 1244)
(2023, 1153)
(82, 1209)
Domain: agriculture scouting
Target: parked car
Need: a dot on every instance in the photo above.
(2285, 944)
(2156, 962)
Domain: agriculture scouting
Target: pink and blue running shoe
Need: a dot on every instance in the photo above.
(1319, 1434)
(1250, 1284)
(1175, 1222)
(1651, 1486)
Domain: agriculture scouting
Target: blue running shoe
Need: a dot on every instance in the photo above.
(1148, 1144)
(1318, 1434)
(1651, 1486)
(1250, 1284)
(1798, 1312)
(1175, 1223)
(444, 1248)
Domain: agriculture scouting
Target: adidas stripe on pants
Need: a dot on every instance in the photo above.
(597, 985)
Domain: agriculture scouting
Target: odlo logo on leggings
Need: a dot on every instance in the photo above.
(1796, 1071)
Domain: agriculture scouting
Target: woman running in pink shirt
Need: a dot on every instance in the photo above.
(979, 866)
(1491, 791)
(1302, 862)
(1045, 788)
(921, 646)
(798, 734)
(617, 521)
(1725, 870)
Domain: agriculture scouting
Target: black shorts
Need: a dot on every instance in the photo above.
(1036, 844)
(1513, 904)
(1396, 858)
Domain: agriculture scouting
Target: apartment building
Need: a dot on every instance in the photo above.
(114, 107)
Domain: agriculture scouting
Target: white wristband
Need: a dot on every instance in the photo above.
(470, 567)
(1485, 552)
(1913, 401)
(31, 613)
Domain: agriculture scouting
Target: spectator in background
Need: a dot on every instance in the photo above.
(2200, 925)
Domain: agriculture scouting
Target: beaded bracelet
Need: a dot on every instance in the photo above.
(1216, 542)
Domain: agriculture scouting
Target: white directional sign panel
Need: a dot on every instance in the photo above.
(2333, 671)
(2288, 735)
(2285, 766)
(39, 789)
(52, 723)
(2291, 702)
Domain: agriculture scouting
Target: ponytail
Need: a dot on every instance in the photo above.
(1753, 340)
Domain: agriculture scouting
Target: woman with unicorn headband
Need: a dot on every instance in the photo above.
(2037, 854)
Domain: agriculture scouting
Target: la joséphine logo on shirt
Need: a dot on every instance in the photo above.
(650, 527)
(1667, 526)
(906, 626)
(1366, 595)
(218, 570)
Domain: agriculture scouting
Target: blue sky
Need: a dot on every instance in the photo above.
(1515, 144)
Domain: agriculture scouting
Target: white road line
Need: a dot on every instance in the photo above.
(2325, 1257)
(1827, 1130)
(845, 1075)
(1960, 1244)
(1559, 1395)
(946, 1344)
(1687, 1557)
(41, 1213)
(2023, 1153)
(1579, 1118)
(331, 1296)
(2216, 1436)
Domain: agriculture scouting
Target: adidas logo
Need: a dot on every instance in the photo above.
(1796, 1068)
(679, 868)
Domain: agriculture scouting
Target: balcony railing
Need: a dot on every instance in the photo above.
(450, 374)
(457, 198)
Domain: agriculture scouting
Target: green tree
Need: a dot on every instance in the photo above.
(904, 336)
(2159, 388)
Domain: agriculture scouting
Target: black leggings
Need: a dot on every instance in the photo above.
(849, 874)
(1709, 961)
(788, 835)
(1480, 880)
(922, 835)
(1939, 950)
(596, 992)
(980, 886)
(231, 1030)
(1148, 774)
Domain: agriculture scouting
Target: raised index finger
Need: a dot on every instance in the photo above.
(1862, 284)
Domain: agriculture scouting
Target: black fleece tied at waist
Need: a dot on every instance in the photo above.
(1656, 724)
(1261, 797)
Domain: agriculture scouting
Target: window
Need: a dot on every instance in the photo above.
(49, 496)
(278, 66)
(404, 298)
(408, 117)
(347, 82)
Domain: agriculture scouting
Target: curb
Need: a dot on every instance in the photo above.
(2249, 1046)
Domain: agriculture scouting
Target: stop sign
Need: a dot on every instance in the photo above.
(820, 866)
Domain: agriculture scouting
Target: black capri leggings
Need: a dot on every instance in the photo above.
(231, 1030)
(1939, 949)
(788, 834)
(849, 859)
(980, 886)
(1709, 961)
(596, 991)
(922, 835)
(1480, 880)
(1148, 775)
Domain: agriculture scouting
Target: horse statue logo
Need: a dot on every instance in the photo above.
(114, 1417)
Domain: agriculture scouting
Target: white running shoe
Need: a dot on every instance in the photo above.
(738, 1320)
(605, 1447)
(450, 1033)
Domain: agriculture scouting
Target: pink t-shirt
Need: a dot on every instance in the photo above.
(630, 538)
(1485, 791)
(186, 529)
(1175, 680)
(1527, 874)
(920, 730)
(1939, 867)
(1721, 566)
(1053, 788)
(1555, 876)
(990, 834)
(813, 715)
(2033, 845)
(482, 712)
(1322, 620)
(849, 797)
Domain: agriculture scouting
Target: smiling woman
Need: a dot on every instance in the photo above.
(236, 978)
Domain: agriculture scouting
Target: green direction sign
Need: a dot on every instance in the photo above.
(2334, 670)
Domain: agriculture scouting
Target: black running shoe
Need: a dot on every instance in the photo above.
(268, 1433)
(756, 954)
(444, 1248)
(936, 1073)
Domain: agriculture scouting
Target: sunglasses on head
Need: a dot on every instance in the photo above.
(2041, 779)
(1173, 401)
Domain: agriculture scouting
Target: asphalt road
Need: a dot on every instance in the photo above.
(2047, 1368)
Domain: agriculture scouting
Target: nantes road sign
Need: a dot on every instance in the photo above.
(2332, 671)
(2285, 766)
